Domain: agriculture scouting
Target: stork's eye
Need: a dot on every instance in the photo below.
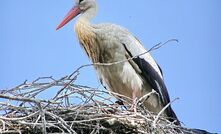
(80, 1)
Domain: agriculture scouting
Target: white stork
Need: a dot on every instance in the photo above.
(108, 43)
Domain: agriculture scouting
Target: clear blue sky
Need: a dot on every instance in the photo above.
(30, 47)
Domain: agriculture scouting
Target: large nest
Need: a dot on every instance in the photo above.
(49, 105)
(71, 108)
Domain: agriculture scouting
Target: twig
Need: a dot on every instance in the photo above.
(145, 97)
(21, 118)
(70, 130)
(162, 110)
(155, 47)
(21, 98)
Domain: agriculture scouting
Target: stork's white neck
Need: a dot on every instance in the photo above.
(88, 14)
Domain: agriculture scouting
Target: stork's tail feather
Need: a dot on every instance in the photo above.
(172, 116)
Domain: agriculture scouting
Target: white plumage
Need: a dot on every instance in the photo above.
(108, 43)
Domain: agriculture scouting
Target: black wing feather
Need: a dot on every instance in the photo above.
(155, 81)
(153, 78)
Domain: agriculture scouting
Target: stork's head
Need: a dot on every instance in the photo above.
(85, 7)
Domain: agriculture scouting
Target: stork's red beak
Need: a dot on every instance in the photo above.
(71, 14)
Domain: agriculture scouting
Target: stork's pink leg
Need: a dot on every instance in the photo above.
(134, 98)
